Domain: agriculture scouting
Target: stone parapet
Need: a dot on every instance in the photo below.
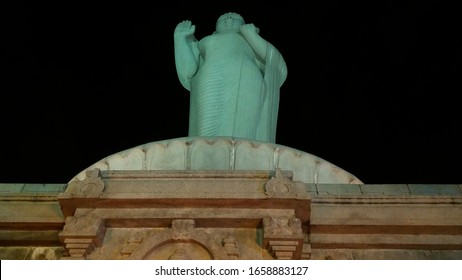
(371, 219)
(227, 215)
(211, 200)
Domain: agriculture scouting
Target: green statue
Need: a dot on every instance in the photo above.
(233, 76)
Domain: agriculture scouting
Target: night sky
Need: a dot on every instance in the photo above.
(371, 88)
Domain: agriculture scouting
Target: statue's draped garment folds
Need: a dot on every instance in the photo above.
(234, 92)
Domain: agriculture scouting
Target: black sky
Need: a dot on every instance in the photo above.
(371, 88)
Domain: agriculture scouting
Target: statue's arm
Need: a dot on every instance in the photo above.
(186, 52)
(258, 44)
(261, 46)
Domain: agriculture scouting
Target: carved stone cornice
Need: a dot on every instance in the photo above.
(182, 201)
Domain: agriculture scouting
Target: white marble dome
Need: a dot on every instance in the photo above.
(224, 153)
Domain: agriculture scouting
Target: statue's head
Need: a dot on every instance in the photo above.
(229, 22)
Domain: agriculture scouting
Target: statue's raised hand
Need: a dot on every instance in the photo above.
(249, 28)
(185, 28)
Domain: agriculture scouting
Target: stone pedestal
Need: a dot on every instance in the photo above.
(226, 198)
(185, 214)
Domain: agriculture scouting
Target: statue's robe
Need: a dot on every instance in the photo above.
(234, 93)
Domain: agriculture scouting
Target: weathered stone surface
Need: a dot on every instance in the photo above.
(247, 214)
(189, 207)
(24, 189)
(31, 253)
(385, 217)
(385, 254)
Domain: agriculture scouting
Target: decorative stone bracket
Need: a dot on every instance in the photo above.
(81, 234)
(283, 237)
